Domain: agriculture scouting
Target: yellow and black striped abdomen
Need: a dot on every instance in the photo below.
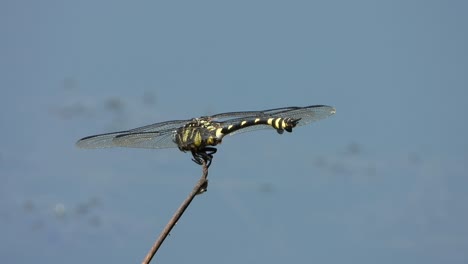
(278, 123)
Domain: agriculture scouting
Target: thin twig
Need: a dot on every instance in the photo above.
(200, 187)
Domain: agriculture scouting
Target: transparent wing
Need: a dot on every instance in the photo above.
(246, 114)
(306, 114)
(163, 126)
(99, 141)
(156, 135)
(151, 140)
(159, 139)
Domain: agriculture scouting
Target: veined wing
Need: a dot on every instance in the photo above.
(158, 135)
(163, 126)
(225, 117)
(151, 140)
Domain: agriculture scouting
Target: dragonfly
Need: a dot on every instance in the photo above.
(200, 135)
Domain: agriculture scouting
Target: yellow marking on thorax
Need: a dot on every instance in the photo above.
(283, 124)
(197, 139)
(186, 134)
(194, 132)
(270, 121)
(209, 126)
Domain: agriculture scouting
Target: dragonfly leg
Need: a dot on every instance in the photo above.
(205, 154)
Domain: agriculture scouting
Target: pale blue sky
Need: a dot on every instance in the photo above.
(382, 181)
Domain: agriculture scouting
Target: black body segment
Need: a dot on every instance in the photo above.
(200, 135)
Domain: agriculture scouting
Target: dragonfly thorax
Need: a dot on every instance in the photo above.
(197, 135)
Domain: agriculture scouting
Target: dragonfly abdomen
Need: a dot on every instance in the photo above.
(278, 123)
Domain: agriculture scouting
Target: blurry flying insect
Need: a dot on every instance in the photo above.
(200, 135)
